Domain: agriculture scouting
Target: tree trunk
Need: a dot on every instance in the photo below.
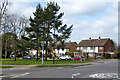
(15, 56)
(22, 55)
(46, 50)
(58, 52)
(6, 49)
(87, 55)
(15, 47)
(37, 55)
(0, 22)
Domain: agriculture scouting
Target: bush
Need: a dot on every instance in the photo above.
(70, 54)
(107, 56)
(118, 55)
(19, 55)
(49, 55)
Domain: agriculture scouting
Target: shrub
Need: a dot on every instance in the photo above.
(107, 56)
(49, 55)
(19, 55)
(70, 54)
(118, 55)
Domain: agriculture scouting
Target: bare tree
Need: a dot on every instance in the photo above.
(13, 23)
(3, 8)
(5, 29)
(24, 22)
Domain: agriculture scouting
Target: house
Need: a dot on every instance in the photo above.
(69, 47)
(96, 47)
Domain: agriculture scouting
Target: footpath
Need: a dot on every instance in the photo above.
(23, 67)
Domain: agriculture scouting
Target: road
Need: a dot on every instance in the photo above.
(97, 70)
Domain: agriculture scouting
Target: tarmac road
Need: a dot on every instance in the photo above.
(109, 69)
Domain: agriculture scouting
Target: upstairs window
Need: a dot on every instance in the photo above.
(78, 48)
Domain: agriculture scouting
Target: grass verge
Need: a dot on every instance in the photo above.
(53, 66)
(6, 66)
(34, 62)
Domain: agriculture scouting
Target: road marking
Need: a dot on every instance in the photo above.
(20, 75)
(60, 68)
(73, 75)
(2, 76)
(104, 75)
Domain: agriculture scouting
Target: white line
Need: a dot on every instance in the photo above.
(73, 75)
(60, 68)
(2, 76)
(20, 75)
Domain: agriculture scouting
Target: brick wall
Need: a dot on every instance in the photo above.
(109, 46)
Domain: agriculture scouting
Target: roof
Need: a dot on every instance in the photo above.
(93, 42)
(69, 44)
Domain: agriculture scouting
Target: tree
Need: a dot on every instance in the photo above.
(10, 43)
(13, 21)
(5, 29)
(35, 31)
(3, 8)
(23, 43)
(54, 24)
(45, 23)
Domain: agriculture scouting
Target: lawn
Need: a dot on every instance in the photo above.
(6, 67)
(33, 61)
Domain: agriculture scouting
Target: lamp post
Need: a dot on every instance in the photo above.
(42, 52)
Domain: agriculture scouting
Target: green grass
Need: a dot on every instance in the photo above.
(33, 61)
(54, 66)
(6, 67)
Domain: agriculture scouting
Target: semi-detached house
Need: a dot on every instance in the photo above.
(99, 46)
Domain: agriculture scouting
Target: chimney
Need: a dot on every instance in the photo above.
(89, 38)
(99, 37)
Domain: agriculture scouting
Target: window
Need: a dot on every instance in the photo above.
(67, 49)
(78, 48)
(101, 48)
(84, 48)
(92, 48)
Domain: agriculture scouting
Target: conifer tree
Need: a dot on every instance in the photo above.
(35, 31)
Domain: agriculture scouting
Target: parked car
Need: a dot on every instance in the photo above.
(12, 57)
(34, 57)
(98, 57)
(65, 57)
(27, 57)
(78, 58)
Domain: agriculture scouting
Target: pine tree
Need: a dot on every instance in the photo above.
(35, 32)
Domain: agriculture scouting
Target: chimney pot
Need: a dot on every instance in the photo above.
(99, 37)
(90, 38)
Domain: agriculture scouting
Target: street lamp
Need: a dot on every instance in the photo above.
(42, 44)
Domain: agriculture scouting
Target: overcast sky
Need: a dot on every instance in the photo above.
(90, 18)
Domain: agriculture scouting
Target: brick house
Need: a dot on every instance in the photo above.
(69, 47)
(96, 47)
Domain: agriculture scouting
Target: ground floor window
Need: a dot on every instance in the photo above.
(91, 55)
